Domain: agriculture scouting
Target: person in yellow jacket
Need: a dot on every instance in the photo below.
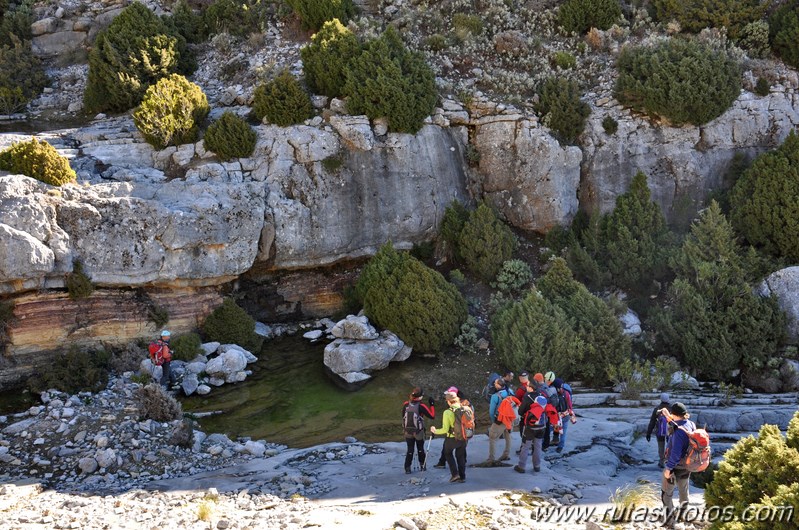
(456, 463)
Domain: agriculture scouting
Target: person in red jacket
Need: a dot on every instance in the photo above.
(413, 414)
(533, 412)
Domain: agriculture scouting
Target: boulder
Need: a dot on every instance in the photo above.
(355, 328)
(630, 323)
(105, 458)
(190, 384)
(684, 380)
(59, 43)
(353, 359)
(765, 380)
(210, 348)
(255, 448)
(249, 357)
(355, 131)
(203, 390)
(146, 367)
(784, 285)
(789, 370)
(87, 465)
(227, 363)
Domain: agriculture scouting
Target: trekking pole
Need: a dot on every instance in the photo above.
(427, 452)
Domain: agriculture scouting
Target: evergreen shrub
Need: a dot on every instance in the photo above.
(485, 243)
(22, 76)
(610, 125)
(455, 217)
(185, 22)
(784, 32)
(604, 343)
(564, 60)
(16, 18)
(171, 112)
(326, 59)
(578, 16)
(79, 285)
(765, 201)
(314, 13)
(230, 324)
(74, 371)
(186, 347)
(134, 52)
(513, 276)
(230, 137)
(239, 18)
(157, 404)
(684, 81)
(403, 295)
(561, 109)
(696, 15)
(757, 472)
(754, 39)
(762, 87)
(37, 160)
(282, 101)
(534, 332)
(404, 92)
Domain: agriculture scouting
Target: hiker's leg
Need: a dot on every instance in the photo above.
(524, 451)
(682, 477)
(494, 432)
(442, 460)
(449, 447)
(562, 442)
(420, 452)
(537, 450)
(506, 452)
(410, 442)
(661, 450)
(666, 493)
(460, 458)
(165, 374)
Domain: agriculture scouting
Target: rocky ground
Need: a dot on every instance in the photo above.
(88, 461)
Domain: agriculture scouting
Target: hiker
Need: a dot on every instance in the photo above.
(442, 460)
(659, 420)
(413, 414)
(491, 388)
(543, 387)
(161, 355)
(524, 380)
(535, 411)
(456, 463)
(674, 475)
(497, 429)
(564, 408)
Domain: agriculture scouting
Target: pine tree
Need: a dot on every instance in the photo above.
(486, 242)
(326, 59)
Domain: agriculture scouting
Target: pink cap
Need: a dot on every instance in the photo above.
(453, 389)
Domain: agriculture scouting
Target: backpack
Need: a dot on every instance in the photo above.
(159, 353)
(412, 421)
(697, 457)
(550, 393)
(489, 389)
(533, 422)
(562, 405)
(464, 423)
(508, 411)
(663, 426)
(568, 388)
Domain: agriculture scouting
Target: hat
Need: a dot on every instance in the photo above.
(165, 333)
(453, 390)
(549, 377)
(664, 397)
(678, 409)
(558, 382)
(541, 401)
(523, 376)
(417, 392)
(449, 396)
(539, 377)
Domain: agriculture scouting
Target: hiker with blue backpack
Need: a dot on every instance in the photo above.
(659, 421)
(497, 429)
(564, 408)
(413, 414)
(535, 411)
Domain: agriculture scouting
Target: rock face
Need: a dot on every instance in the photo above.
(681, 164)
(526, 174)
(784, 284)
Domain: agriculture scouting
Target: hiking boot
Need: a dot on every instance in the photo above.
(504, 458)
(537, 469)
(455, 478)
(440, 466)
(518, 469)
(423, 468)
(559, 449)
(407, 471)
(461, 479)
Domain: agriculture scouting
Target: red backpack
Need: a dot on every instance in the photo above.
(159, 353)
(697, 458)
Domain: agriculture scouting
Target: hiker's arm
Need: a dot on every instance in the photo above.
(493, 406)
(652, 422)
(676, 449)
(447, 422)
(428, 411)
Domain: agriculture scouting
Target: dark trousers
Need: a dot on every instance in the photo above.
(418, 443)
(456, 462)
(165, 375)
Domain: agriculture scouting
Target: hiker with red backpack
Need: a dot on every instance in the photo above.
(457, 425)
(535, 411)
(413, 414)
(161, 355)
(659, 420)
(688, 450)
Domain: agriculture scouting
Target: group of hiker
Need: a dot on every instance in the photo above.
(542, 409)
(539, 407)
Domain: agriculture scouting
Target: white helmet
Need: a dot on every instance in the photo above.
(165, 333)
(549, 377)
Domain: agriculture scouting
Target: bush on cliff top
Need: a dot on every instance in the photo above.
(562, 110)
(326, 59)
(784, 33)
(37, 160)
(314, 13)
(696, 15)
(581, 15)
(171, 112)
(282, 101)
(684, 81)
(230, 137)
